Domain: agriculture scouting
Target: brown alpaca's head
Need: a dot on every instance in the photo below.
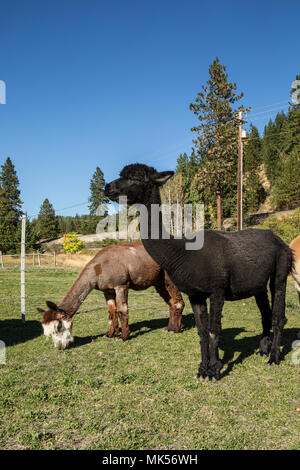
(57, 324)
(136, 182)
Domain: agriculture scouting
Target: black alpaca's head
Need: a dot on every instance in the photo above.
(136, 182)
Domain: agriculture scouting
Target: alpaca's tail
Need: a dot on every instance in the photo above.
(285, 256)
(285, 265)
(296, 274)
(291, 260)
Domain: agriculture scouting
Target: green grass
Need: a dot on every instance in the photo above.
(141, 394)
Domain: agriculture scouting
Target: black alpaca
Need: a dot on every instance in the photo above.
(230, 266)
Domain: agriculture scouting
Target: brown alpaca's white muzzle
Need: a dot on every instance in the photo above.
(60, 331)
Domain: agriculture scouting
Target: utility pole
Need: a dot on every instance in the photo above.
(240, 177)
(23, 268)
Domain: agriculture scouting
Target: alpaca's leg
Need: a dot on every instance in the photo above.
(297, 286)
(263, 304)
(199, 307)
(278, 291)
(173, 298)
(112, 314)
(122, 310)
(216, 306)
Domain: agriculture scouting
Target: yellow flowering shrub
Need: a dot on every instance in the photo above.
(71, 243)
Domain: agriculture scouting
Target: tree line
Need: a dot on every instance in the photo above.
(47, 225)
(208, 175)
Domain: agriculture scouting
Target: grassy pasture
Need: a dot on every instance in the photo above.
(141, 394)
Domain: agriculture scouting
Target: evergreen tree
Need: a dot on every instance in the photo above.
(281, 151)
(97, 196)
(274, 145)
(77, 223)
(286, 191)
(10, 206)
(254, 193)
(291, 131)
(69, 224)
(30, 235)
(47, 225)
(216, 143)
(187, 167)
(88, 224)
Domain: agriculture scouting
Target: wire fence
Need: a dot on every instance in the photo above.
(31, 259)
(42, 287)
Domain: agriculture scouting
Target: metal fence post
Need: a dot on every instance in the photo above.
(23, 268)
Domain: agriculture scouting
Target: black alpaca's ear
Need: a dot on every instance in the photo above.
(40, 310)
(162, 177)
(52, 306)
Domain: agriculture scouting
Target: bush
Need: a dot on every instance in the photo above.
(71, 243)
(287, 228)
(110, 241)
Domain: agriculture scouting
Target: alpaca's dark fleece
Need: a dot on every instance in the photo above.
(137, 171)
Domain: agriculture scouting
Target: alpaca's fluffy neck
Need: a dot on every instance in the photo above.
(162, 248)
(78, 292)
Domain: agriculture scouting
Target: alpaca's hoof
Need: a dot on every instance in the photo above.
(206, 378)
(265, 346)
(122, 338)
(199, 376)
(110, 335)
(273, 361)
(169, 329)
(262, 354)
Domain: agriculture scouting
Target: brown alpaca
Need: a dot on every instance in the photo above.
(295, 245)
(114, 270)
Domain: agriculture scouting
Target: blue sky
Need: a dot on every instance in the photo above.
(109, 82)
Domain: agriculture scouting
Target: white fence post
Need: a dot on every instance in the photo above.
(23, 268)
(1, 258)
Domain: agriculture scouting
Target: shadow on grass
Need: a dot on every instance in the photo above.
(248, 346)
(230, 343)
(14, 331)
(145, 326)
(138, 329)
(82, 340)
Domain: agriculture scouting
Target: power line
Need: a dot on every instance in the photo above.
(63, 209)
(268, 105)
(263, 117)
(269, 111)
